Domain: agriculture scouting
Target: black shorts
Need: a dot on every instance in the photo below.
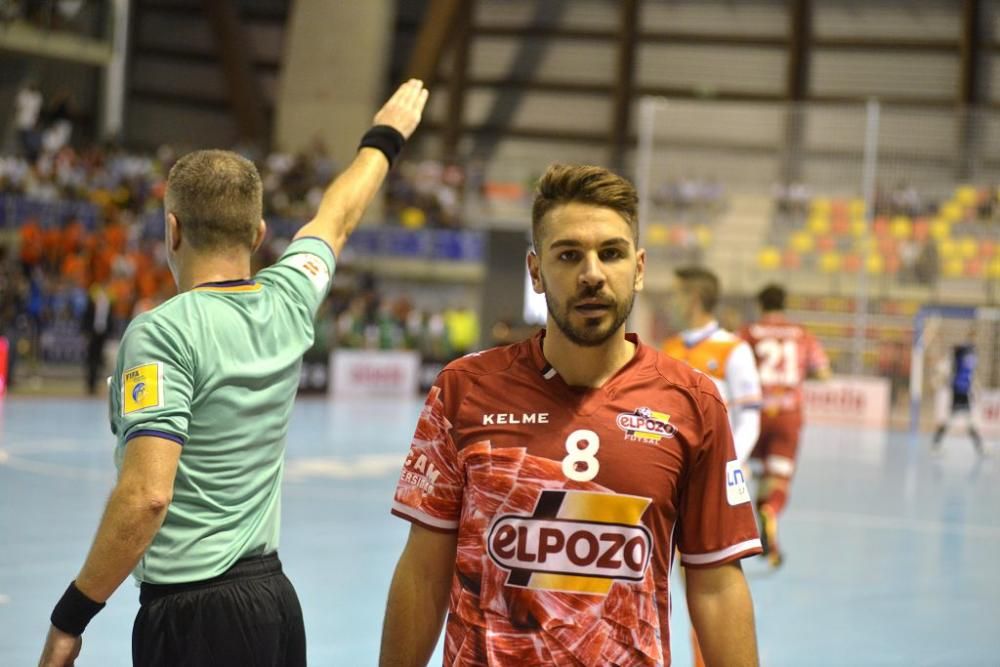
(960, 402)
(249, 616)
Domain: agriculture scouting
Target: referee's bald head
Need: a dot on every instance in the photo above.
(217, 198)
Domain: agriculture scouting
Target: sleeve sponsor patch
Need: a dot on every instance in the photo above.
(737, 492)
(313, 267)
(142, 388)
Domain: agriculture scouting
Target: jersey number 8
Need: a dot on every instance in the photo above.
(581, 464)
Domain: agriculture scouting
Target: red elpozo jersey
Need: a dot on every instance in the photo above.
(569, 502)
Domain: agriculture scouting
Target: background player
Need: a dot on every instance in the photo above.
(547, 480)
(719, 354)
(200, 401)
(955, 393)
(787, 355)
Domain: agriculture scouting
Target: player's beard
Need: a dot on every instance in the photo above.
(594, 331)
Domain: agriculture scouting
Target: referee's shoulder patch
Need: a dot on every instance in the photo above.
(142, 388)
(313, 267)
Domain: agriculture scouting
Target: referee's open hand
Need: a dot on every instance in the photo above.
(60, 649)
(404, 108)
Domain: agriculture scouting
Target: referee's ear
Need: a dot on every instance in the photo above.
(259, 238)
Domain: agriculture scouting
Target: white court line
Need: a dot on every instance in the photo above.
(895, 523)
(52, 469)
(332, 467)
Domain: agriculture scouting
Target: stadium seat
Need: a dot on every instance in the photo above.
(880, 226)
(703, 235)
(993, 268)
(940, 229)
(769, 258)
(875, 264)
(901, 227)
(852, 263)
(791, 260)
(948, 249)
(819, 224)
(966, 195)
(830, 262)
(968, 248)
(859, 227)
(826, 243)
(657, 234)
(952, 211)
(953, 268)
(802, 242)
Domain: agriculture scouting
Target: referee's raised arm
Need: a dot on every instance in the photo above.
(346, 199)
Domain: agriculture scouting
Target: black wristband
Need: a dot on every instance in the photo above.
(74, 610)
(386, 139)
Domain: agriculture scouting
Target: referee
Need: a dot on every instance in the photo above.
(200, 403)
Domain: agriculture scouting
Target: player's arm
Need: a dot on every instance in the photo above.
(418, 598)
(818, 364)
(346, 199)
(722, 615)
(132, 517)
(744, 387)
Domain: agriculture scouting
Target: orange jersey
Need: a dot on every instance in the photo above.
(569, 502)
(786, 355)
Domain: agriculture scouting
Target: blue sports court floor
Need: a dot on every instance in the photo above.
(893, 555)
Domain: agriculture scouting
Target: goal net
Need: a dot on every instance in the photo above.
(937, 330)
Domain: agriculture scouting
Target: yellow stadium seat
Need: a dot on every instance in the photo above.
(993, 268)
(829, 262)
(857, 208)
(820, 206)
(968, 248)
(940, 229)
(704, 235)
(948, 249)
(769, 258)
(819, 224)
(412, 217)
(966, 195)
(952, 211)
(657, 234)
(802, 242)
(859, 227)
(901, 227)
(953, 268)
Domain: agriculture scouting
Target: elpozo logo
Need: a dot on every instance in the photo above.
(574, 542)
(646, 425)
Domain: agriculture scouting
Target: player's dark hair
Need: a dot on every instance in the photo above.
(771, 298)
(217, 197)
(703, 283)
(584, 184)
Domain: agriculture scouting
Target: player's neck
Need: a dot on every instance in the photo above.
(582, 366)
(199, 269)
(700, 321)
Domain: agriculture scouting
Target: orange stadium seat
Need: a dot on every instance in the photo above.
(791, 260)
